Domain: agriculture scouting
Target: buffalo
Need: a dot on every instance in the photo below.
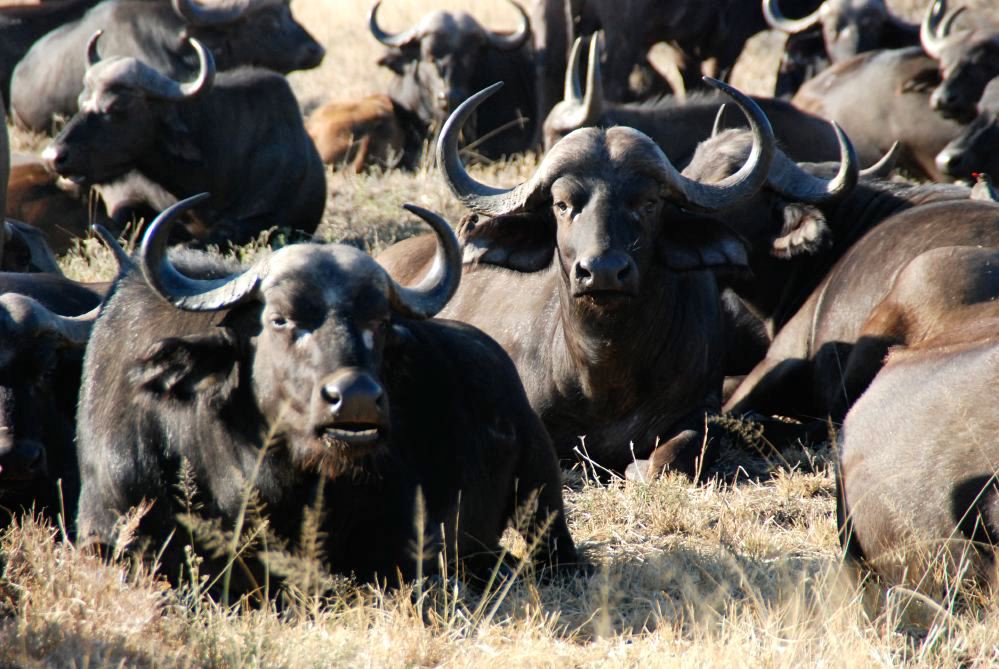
(676, 125)
(239, 133)
(835, 31)
(597, 276)
(881, 97)
(968, 60)
(358, 132)
(918, 483)
(261, 33)
(976, 149)
(447, 55)
(310, 375)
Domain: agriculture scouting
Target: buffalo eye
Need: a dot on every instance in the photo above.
(281, 323)
(562, 207)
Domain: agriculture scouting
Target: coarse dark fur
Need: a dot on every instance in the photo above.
(976, 149)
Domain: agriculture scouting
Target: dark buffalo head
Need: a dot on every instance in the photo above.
(976, 149)
(968, 60)
(435, 61)
(40, 357)
(848, 27)
(127, 111)
(311, 323)
(609, 208)
(252, 32)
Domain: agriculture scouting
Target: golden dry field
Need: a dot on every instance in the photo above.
(739, 569)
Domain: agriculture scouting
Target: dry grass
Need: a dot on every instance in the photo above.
(721, 573)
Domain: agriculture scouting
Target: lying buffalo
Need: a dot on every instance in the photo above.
(976, 149)
(881, 97)
(833, 32)
(311, 368)
(918, 475)
(676, 125)
(612, 311)
(968, 59)
(443, 58)
(240, 134)
(358, 132)
(262, 33)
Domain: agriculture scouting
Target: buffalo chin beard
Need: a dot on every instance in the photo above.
(334, 452)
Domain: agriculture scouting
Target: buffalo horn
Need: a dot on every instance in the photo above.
(573, 89)
(32, 317)
(719, 123)
(432, 293)
(883, 168)
(398, 40)
(184, 292)
(198, 15)
(160, 86)
(936, 27)
(93, 56)
(793, 182)
(776, 19)
(120, 256)
(514, 40)
(490, 201)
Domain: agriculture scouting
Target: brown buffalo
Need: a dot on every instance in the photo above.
(920, 460)
(358, 133)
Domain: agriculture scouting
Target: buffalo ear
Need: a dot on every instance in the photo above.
(701, 244)
(179, 141)
(395, 60)
(522, 242)
(805, 231)
(185, 369)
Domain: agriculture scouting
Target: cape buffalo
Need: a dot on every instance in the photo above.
(311, 367)
(677, 125)
(976, 149)
(918, 475)
(443, 58)
(599, 280)
(881, 97)
(835, 31)
(359, 132)
(240, 134)
(968, 59)
(262, 33)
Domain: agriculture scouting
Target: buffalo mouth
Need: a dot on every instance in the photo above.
(351, 434)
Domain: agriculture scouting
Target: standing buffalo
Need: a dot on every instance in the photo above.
(442, 59)
(976, 149)
(262, 33)
(310, 368)
(240, 135)
(919, 479)
(677, 125)
(881, 97)
(968, 60)
(598, 279)
(836, 31)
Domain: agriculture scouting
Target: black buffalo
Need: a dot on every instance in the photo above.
(598, 279)
(262, 33)
(976, 149)
(918, 475)
(677, 125)
(445, 57)
(315, 353)
(239, 134)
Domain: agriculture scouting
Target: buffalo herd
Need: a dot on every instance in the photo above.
(826, 257)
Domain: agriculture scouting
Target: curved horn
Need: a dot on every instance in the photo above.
(788, 179)
(776, 19)
(32, 316)
(120, 256)
(514, 40)
(936, 26)
(432, 293)
(161, 86)
(884, 167)
(719, 120)
(397, 40)
(198, 15)
(573, 88)
(93, 57)
(593, 100)
(184, 292)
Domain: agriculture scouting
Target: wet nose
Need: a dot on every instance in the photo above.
(613, 271)
(951, 163)
(353, 396)
(23, 460)
(55, 157)
(314, 54)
